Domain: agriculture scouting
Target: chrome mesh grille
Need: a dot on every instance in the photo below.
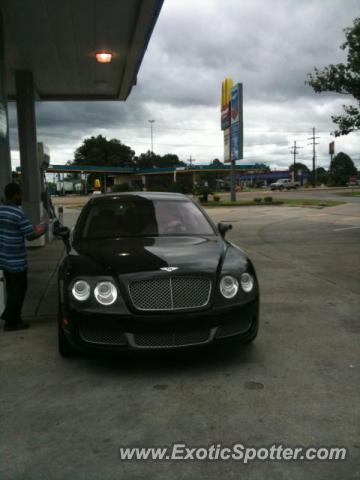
(104, 336)
(172, 293)
(178, 339)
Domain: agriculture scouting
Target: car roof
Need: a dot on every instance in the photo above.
(108, 197)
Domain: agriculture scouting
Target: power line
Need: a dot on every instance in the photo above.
(294, 150)
(314, 143)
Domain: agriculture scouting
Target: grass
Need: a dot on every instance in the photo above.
(240, 203)
(293, 202)
(355, 193)
(314, 202)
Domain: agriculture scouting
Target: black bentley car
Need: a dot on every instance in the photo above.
(152, 271)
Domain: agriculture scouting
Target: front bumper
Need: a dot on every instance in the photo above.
(89, 332)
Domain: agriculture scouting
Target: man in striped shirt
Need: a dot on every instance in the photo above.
(15, 227)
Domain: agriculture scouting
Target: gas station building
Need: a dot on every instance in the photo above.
(149, 178)
(64, 50)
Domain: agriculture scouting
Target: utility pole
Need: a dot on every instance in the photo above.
(313, 143)
(294, 150)
(151, 133)
(232, 163)
(190, 161)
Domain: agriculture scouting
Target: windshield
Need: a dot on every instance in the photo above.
(141, 217)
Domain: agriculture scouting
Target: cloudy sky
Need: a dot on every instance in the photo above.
(269, 46)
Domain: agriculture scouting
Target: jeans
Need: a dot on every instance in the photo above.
(16, 285)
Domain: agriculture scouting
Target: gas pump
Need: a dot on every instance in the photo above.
(44, 161)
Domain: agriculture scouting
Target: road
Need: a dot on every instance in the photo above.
(308, 193)
(298, 384)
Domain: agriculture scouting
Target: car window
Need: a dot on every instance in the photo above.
(144, 217)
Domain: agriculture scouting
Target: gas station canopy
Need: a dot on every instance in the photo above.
(58, 40)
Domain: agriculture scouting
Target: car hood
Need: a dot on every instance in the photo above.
(132, 255)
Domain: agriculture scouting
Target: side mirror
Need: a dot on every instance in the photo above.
(63, 233)
(223, 228)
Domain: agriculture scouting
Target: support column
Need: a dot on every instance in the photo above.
(5, 158)
(30, 170)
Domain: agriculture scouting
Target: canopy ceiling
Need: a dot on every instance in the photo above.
(57, 40)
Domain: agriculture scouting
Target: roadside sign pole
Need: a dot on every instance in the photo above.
(232, 163)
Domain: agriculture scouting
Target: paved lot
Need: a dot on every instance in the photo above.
(297, 385)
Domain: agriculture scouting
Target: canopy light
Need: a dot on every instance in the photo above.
(103, 57)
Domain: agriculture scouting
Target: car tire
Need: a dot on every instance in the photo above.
(281, 188)
(65, 349)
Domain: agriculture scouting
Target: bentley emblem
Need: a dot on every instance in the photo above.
(169, 269)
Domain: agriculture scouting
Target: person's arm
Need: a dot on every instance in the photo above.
(39, 230)
(29, 231)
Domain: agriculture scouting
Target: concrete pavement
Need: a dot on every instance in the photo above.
(298, 384)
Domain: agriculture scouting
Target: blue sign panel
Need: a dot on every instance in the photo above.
(235, 150)
(237, 122)
(235, 104)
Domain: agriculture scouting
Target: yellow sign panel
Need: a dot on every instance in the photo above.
(226, 87)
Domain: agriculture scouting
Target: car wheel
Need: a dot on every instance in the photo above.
(281, 188)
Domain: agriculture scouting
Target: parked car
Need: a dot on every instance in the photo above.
(284, 184)
(151, 270)
(353, 183)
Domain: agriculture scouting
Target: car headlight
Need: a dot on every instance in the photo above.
(81, 290)
(247, 282)
(229, 286)
(105, 293)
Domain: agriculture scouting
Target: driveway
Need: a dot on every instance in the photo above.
(298, 384)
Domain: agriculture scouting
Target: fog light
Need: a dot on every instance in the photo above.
(105, 293)
(247, 282)
(229, 286)
(81, 290)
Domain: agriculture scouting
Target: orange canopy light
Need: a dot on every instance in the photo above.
(103, 57)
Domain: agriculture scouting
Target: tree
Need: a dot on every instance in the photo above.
(321, 176)
(147, 160)
(100, 151)
(216, 163)
(150, 160)
(170, 160)
(262, 167)
(343, 78)
(299, 166)
(341, 168)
